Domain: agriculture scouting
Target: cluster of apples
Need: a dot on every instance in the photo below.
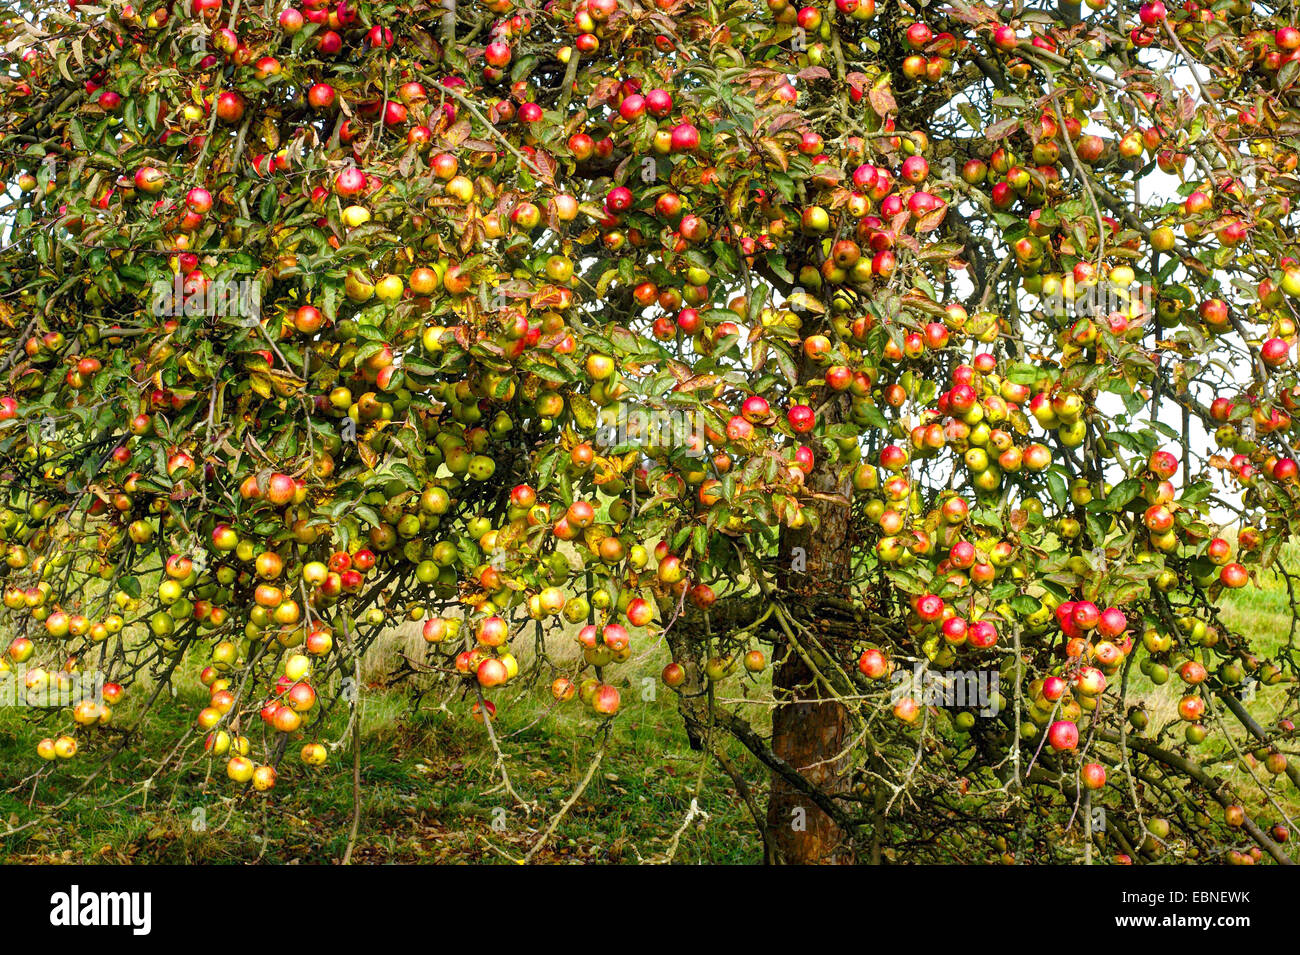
(523, 560)
(1097, 642)
(291, 708)
(882, 206)
(985, 416)
(57, 623)
(40, 687)
(1270, 51)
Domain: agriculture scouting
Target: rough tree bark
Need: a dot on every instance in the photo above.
(809, 734)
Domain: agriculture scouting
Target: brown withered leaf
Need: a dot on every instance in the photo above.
(679, 371)
(882, 99)
(696, 382)
(605, 88)
(930, 221)
(548, 296)
(458, 133)
(774, 150)
(368, 455)
(545, 166)
(783, 120)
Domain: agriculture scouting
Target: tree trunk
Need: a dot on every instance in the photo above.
(808, 735)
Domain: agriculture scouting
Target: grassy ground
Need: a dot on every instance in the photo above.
(431, 786)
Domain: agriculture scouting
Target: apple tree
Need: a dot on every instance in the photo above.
(922, 375)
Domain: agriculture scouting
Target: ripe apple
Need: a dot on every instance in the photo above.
(981, 634)
(492, 672)
(873, 664)
(606, 700)
(21, 649)
(1152, 13)
(492, 631)
(321, 96)
(929, 608)
(755, 409)
(640, 612)
(1063, 735)
(198, 200)
(149, 179)
(240, 768)
(685, 138)
(350, 182)
(230, 107)
(801, 418)
(1112, 623)
(1234, 575)
(1275, 352)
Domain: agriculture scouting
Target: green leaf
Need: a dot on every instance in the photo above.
(872, 416)
(267, 204)
(547, 373)
(406, 475)
(1122, 493)
(776, 263)
(1025, 604)
(1022, 373)
(1002, 591)
(547, 468)
(1056, 487)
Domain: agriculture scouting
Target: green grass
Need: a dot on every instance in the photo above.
(1263, 612)
(430, 789)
